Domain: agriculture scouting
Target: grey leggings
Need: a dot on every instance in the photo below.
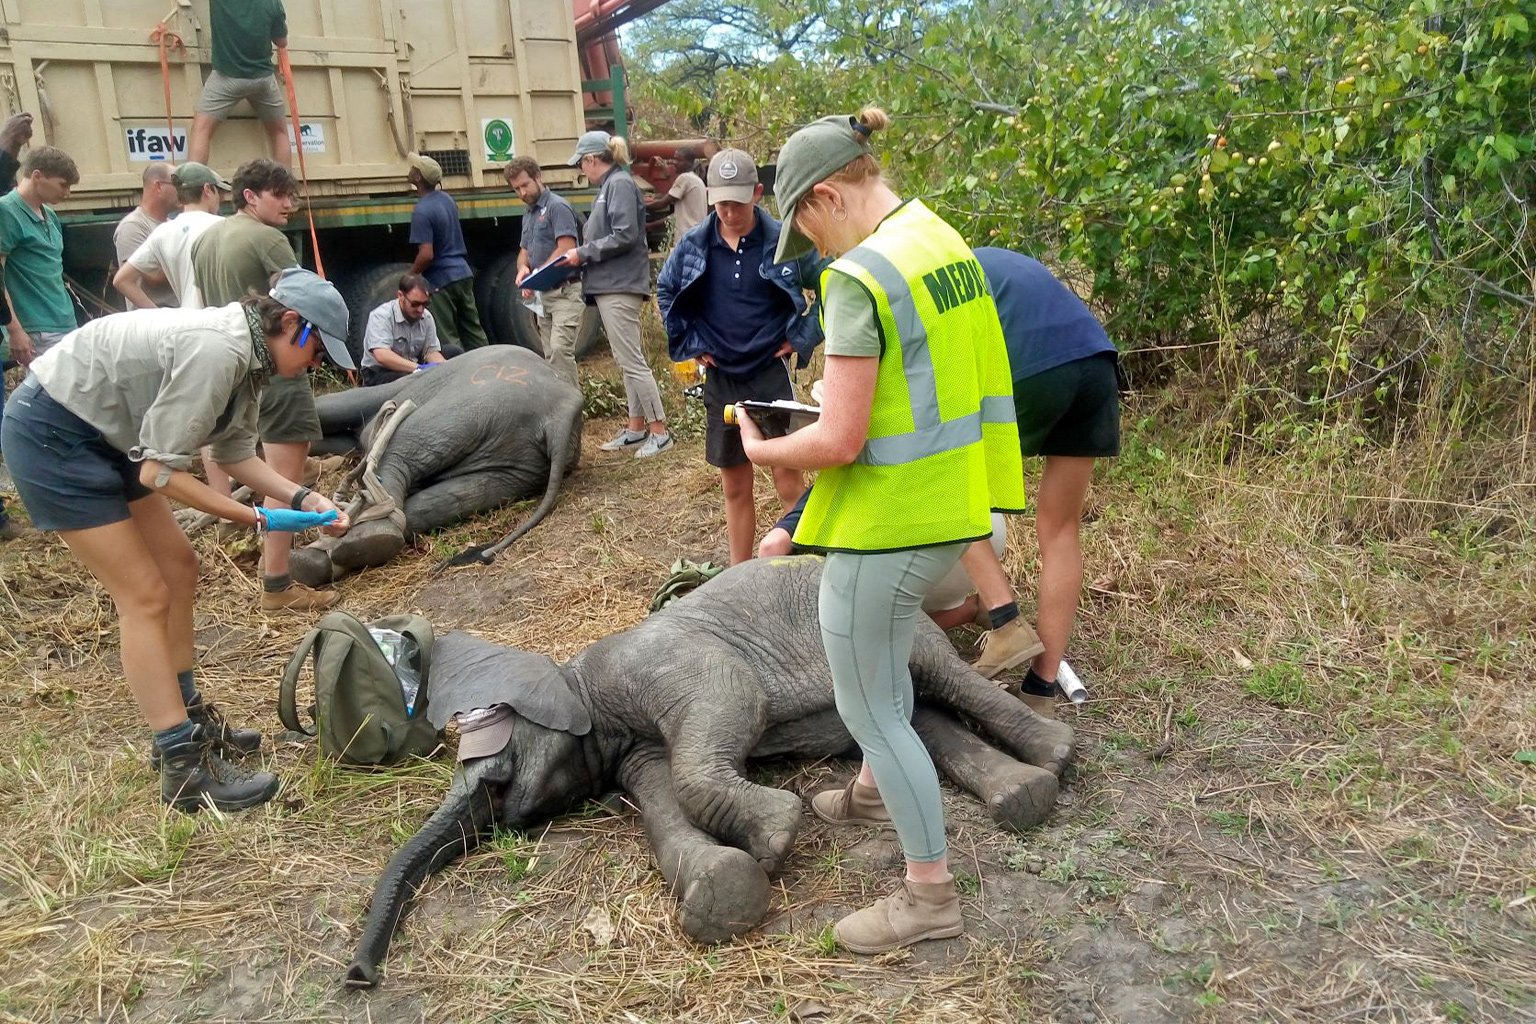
(869, 606)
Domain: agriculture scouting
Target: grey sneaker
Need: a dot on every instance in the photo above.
(625, 438)
(655, 444)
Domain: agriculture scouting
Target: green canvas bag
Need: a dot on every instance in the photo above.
(359, 712)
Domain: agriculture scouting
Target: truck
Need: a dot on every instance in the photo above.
(470, 83)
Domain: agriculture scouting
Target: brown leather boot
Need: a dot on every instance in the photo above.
(914, 913)
(852, 805)
(1010, 645)
(1043, 706)
(296, 597)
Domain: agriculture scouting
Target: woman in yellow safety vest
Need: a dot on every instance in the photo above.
(916, 445)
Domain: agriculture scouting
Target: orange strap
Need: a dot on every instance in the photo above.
(167, 41)
(298, 143)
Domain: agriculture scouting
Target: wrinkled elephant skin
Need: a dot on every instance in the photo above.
(491, 426)
(671, 710)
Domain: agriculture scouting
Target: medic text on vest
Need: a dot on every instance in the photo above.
(956, 284)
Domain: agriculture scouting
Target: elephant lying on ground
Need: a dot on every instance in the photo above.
(491, 426)
(670, 711)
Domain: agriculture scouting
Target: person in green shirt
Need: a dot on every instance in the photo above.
(32, 254)
(244, 33)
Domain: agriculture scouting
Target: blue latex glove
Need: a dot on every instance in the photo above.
(423, 366)
(286, 520)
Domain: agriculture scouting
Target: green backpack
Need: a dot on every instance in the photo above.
(360, 711)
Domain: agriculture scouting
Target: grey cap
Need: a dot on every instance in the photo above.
(731, 178)
(317, 300)
(810, 156)
(193, 173)
(592, 142)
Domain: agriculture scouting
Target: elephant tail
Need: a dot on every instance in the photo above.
(454, 829)
(560, 460)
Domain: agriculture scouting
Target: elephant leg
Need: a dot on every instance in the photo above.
(942, 678)
(709, 741)
(721, 891)
(449, 501)
(1017, 795)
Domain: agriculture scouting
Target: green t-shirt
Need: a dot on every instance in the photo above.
(33, 248)
(851, 322)
(237, 256)
(243, 33)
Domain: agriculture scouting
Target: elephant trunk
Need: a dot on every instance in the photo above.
(454, 829)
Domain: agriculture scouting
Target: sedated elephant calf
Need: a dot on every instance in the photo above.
(671, 710)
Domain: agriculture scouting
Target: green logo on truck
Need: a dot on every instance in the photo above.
(498, 140)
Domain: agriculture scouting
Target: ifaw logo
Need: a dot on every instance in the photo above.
(146, 144)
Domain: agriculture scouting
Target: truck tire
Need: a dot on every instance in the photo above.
(364, 292)
(515, 320)
(590, 334)
(485, 296)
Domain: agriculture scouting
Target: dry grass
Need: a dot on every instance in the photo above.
(1300, 797)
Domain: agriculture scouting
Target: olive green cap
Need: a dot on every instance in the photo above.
(810, 156)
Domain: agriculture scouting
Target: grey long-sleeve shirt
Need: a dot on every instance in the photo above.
(161, 383)
(614, 258)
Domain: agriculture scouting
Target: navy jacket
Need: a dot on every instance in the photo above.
(685, 267)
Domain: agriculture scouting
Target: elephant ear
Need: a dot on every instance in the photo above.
(469, 673)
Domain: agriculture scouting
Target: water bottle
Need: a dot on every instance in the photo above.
(1070, 685)
(403, 655)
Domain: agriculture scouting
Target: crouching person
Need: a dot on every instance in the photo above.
(105, 429)
(401, 336)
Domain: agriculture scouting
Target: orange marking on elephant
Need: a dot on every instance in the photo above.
(507, 374)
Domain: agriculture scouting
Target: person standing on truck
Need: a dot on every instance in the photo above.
(156, 204)
(616, 278)
(686, 199)
(725, 302)
(232, 260)
(549, 230)
(32, 254)
(244, 33)
(442, 257)
(105, 429)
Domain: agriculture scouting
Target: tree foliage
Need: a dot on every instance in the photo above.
(1361, 173)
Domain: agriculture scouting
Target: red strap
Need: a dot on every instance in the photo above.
(167, 41)
(298, 143)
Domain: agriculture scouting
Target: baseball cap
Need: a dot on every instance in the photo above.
(731, 178)
(592, 142)
(192, 173)
(431, 170)
(317, 300)
(810, 156)
(484, 731)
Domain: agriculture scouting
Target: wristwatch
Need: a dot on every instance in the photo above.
(297, 504)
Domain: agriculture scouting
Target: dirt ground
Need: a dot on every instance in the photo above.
(1305, 789)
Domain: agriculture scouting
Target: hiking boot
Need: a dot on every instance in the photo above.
(654, 445)
(296, 597)
(624, 440)
(916, 912)
(1040, 704)
(192, 777)
(1008, 646)
(852, 805)
(229, 742)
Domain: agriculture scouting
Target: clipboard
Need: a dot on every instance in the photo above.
(551, 275)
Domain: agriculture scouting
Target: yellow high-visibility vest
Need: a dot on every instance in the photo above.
(943, 446)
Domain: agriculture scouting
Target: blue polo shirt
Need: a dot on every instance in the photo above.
(436, 220)
(741, 315)
(1045, 324)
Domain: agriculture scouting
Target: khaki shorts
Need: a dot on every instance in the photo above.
(288, 413)
(222, 94)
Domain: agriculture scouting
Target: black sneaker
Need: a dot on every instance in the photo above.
(229, 742)
(192, 777)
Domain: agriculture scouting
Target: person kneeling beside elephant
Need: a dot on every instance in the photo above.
(401, 337)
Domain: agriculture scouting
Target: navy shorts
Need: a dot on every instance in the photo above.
(1071, 410)
(68, 476)
(722, 443)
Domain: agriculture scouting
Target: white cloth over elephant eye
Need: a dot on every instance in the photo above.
(469, 674)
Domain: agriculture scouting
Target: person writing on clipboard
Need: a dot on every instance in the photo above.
(549, 231)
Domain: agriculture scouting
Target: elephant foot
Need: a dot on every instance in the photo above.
(311, 566)
(722, 893)
(1020, 796)
(1046, 743)
(368, 544)
(774, 837)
